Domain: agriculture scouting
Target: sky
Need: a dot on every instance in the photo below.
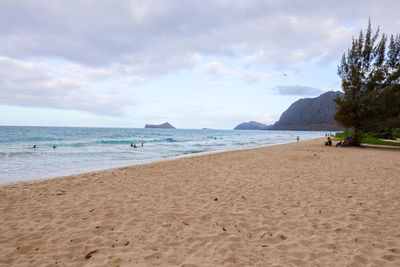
(194, 64)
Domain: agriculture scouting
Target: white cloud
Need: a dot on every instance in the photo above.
(257, 57)
(212, 84)
(27, 84)
(298, 90)
(270, 118)
(19, 71)
(133, 79)
(248, 76)
(216, 68)
(254, 76)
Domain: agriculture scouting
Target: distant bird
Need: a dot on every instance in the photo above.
(284, 74)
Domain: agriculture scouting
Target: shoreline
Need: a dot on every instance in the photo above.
(295, 204)
(157, 160)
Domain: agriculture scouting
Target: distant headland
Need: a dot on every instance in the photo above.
(252, 125)
(315, 114)
(309, 114)
(160, 126)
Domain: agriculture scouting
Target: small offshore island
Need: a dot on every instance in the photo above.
(160, 126)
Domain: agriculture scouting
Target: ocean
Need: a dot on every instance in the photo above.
(80, 150)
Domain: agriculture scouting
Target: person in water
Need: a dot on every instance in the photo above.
(54, 146)
(34, 146)
(142, 144)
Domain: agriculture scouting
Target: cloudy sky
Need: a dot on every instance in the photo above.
(195, 64)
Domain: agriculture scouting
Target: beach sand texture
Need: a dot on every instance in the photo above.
(299, 204)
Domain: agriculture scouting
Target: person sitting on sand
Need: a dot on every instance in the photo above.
(328, 142)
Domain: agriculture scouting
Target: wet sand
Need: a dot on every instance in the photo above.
(299, 204)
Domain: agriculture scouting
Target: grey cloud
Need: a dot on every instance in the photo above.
(298, 90)
(157, 36)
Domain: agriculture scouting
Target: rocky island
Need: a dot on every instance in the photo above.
(160, 126)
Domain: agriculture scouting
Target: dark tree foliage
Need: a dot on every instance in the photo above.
(370, 74)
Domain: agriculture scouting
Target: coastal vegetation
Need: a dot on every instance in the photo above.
(370, 73)
(370, 139)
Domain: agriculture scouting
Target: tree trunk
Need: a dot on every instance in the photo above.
(355, 139)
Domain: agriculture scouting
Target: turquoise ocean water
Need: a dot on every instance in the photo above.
(81, 150)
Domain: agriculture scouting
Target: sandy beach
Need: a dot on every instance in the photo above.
(299, 204)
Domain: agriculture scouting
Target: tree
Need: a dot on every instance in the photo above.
(370, 76)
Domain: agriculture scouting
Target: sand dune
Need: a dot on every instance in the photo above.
(299, 204)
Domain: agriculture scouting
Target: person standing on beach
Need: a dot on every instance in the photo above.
(298, 138)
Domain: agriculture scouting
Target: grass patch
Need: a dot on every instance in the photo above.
(367, 139)
(340, 136)
(396, 133)
(375, 141)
